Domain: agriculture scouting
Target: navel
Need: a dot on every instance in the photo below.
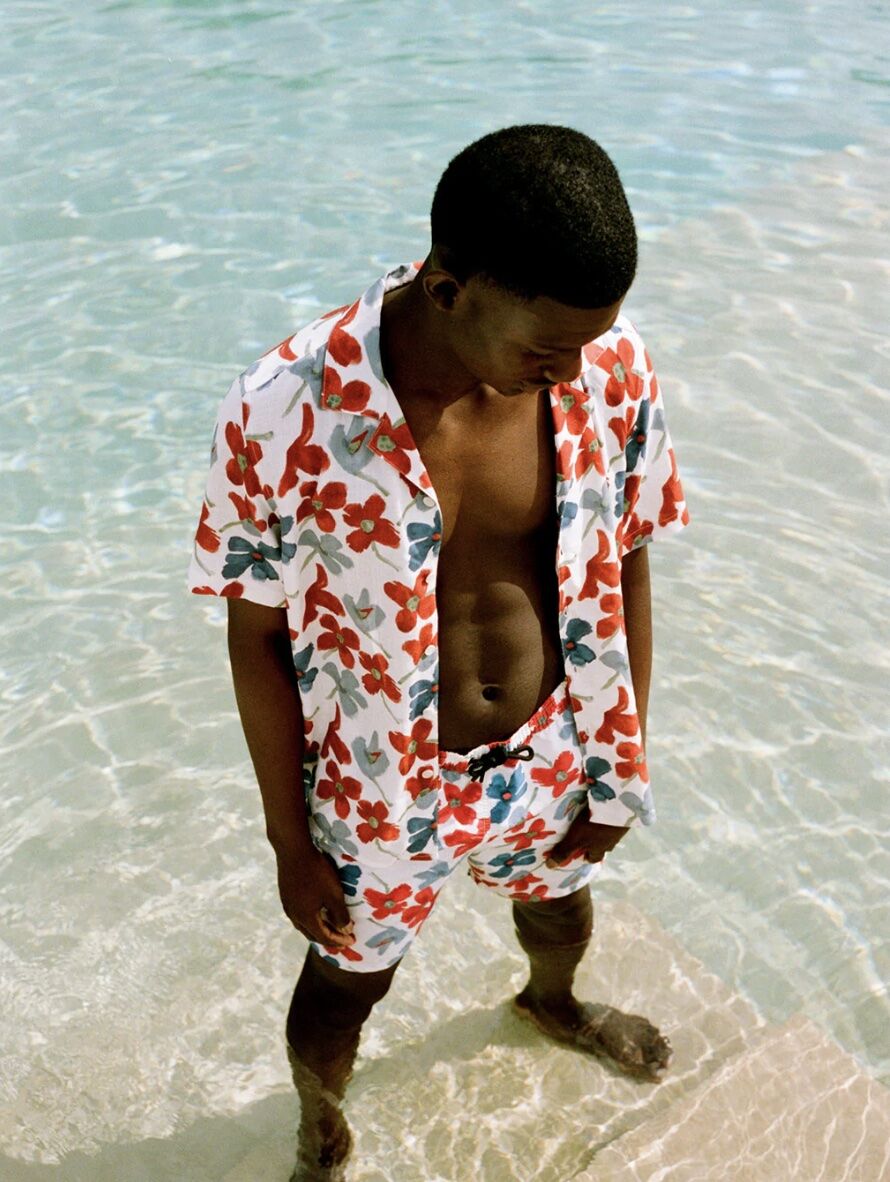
(490, 692)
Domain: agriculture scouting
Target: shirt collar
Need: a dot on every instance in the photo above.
(353, 378)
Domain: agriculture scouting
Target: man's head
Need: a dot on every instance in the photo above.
(540, 211)
(534, 248)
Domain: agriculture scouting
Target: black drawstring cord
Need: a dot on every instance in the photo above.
(494, 756)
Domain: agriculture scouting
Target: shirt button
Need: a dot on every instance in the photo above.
(426, 501)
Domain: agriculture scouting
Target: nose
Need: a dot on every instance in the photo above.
(567, 370)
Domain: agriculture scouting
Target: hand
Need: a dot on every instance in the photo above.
(593, 837)
(312, 897)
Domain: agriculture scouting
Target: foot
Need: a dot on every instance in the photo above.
(324, 1145)
(627, 1040)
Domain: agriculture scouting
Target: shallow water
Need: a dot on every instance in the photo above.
(182, 185)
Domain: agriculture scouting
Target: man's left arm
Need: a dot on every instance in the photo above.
(637, 597)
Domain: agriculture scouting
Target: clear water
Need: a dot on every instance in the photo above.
(184, 183)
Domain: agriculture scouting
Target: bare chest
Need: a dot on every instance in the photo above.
(493, 472)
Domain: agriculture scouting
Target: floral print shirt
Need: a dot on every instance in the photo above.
(317, 501)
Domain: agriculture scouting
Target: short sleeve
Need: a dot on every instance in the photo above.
(237, 549)
(654, 502)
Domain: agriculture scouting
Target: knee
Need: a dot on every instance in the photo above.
(569, 914)
(334, 998)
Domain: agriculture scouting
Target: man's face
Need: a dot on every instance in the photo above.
(519, 346)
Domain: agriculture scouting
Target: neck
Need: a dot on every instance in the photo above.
(417, 359)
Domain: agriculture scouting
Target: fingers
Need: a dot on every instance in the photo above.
(343, 934)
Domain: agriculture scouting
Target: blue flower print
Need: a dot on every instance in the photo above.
(636, 441)
(574, 879)
(348, 448)
(505, 794)
(335, 835)
(644, 809)
(423, 693)
(570, 804)
(350, 873)
(572, 648)
(507, 863)
(347, 687)
(422, 830)
(305, 675)
(328, 548)
(364, 614)
(425, 538)
(370, 756)
(595, 768)
(568, 511)
(433, 873)
(254, 556)
(383, 939)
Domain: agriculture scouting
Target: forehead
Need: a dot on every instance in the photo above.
(549, 324)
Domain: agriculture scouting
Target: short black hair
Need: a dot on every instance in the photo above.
(538, 209)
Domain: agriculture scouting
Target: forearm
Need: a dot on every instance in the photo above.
(272, 718)
(636, 593)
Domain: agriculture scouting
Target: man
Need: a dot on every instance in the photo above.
(429, 513)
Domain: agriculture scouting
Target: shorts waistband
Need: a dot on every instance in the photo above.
(558, 701)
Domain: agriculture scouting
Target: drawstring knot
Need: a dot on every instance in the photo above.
(494, 756)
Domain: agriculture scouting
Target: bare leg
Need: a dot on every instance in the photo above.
(555, 934)
(324, 1024)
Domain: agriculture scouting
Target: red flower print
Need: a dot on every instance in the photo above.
(387, 903)
(621, 428)
(600, 569)
(536, 831)
(613, 620)
(413, 601)
(343, 950)
(332, 744)
(422, 782)
(353, 396)
(416, 649)
(338, 636)
(393, 442)
(246, 511)
(563, 459)
(343, 348)
(318, 503)
(671, 493)
(564, 572)
(458, 802)
(523, 891)
(633, 761)
(414, 746)
(318, 596)
(377, 679)
(617, 719)
(463, 840)
(569, 408)
(415, 916)
(303, 455)
(285, 351)
(618, 363)
(590, 453)
(562, 775)
(375, 824)
(207, 538)
(340, 789)
(370, 525)
(241, 468)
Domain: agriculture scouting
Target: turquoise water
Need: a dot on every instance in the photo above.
(182, 184)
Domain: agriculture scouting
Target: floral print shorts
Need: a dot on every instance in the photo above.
(502, 807)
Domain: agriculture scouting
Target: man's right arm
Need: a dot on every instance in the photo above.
(272, 717)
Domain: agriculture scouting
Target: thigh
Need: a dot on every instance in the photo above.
(513, 863)
(389, 905)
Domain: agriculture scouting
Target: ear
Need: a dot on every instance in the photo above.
(442, 289)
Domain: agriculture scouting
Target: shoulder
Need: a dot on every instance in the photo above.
(289, 373)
